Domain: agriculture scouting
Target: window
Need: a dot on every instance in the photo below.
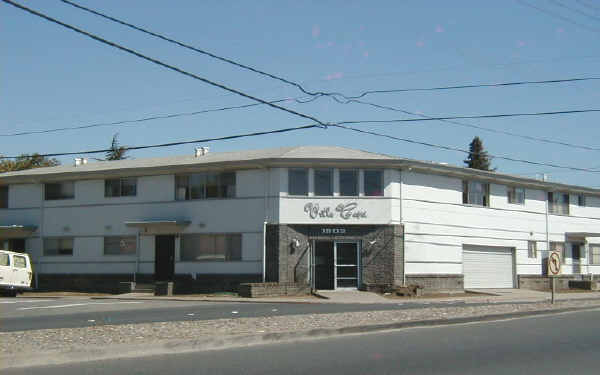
(560, 247)
(516, 195)
(211, 247)
(205, 185)
(4, 259)
(3, 196)
(58, 246)
(20, 261)
(477, 193)
(581, 200)
(16, 245)
(558, 203)
(531, 249)
(59, 190)
(348, 183)
(119, 245)
(120, 187)
(373, 183)
(298, 181)
(594, 253)
(323, 182)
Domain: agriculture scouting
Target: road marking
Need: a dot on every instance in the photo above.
(234, 312)
(77, 304)
(26, 301)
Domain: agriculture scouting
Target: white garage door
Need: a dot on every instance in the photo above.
(488, 267)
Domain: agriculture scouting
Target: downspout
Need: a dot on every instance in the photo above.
(137, 256)
(403, 235)
(266, 191)
(37, 261)
(547, 231)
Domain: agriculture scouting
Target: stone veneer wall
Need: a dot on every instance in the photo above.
(254, 290)
(437, 282)
(382, 251)
(538, 282)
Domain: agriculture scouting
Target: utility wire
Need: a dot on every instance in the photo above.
(298, 85)
(464, 124)
(160, 63)
(558, 3)
(501, 115)
(587, 5)
(450, 148)
(170, 144)
(559, 16)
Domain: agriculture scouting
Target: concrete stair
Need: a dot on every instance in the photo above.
(143, 288)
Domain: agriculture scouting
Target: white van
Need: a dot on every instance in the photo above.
(15, 272)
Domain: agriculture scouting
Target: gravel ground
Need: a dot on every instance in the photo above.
(65, 339)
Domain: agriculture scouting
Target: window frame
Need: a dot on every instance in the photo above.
(120, 238)
(532, 249)
(120, 181)
(594, 259)
(62, 196)
(557, 205)
(230, 240)
(581, 200)
(306, 185)
(381, 182)
(512, 196)
(17, 264)
(467, 193)
(59, 249)
(4, 196)
(330, 187)
(205, 185)
(356, 182)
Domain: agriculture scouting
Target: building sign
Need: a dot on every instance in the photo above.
(345, 211)
(333, 231)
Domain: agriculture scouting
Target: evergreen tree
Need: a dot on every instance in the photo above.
(117, 152)
(478, 158)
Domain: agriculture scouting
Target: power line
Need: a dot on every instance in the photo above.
(556, 15)
(170, 144)
(160, 63)
(147, 118)
(464, 124)
(190, 47)
(587, 5)
(450, 148)
(298, 85)
(558, 3)
(501, 115)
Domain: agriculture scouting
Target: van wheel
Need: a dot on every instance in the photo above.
(12, 293)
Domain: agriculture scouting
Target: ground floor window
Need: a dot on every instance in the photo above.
(595, 254)
(531, 249)
(58, 246)
(211, 247)
(116, 245)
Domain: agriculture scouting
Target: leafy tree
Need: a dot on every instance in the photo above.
(117, 152)
(478, 158)
(27, 161)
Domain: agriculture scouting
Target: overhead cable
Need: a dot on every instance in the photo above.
(160, 63)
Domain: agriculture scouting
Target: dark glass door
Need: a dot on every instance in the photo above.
(324, 265)
(346, 265)
(164, 258)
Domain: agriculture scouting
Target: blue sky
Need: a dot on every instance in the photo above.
(51, 77)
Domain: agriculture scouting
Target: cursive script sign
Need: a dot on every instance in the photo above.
(345, 211)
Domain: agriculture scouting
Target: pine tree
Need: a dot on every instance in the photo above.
(117, 152)
(478, 158)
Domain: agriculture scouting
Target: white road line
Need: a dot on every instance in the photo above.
(25, 301)
(77, 304)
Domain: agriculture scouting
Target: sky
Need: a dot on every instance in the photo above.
(52, 77)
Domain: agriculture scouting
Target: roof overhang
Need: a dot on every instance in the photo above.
(16, 231)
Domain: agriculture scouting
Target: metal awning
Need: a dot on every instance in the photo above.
(580, 236)
(16, 231)
(159, 225)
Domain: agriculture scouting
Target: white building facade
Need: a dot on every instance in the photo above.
(327, 217)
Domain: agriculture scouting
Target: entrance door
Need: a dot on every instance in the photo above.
(576, 255)
(164, 258)
(346, 265)
(324, 265)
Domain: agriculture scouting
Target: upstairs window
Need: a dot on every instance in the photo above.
(4, 196)
(348, 183)
(373, 180)
(298, 181)
(59, 190)
(205, 185)
(581, 200)
(515, 195)
(558, 203)
(120, 187)
(323, 182)
(476, 193)
(58, 246)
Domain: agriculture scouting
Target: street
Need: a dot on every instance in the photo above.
(20, 314)
(554, 344)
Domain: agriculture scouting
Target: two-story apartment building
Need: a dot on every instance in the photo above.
(329, 217)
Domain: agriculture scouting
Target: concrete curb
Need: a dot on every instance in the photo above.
(198, 300)
(232, 341)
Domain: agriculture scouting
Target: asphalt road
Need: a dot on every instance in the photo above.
(557, 344)
(20, 314)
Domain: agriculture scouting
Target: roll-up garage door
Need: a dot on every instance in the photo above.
(488, 267)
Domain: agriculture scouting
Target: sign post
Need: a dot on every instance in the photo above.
(554, 269)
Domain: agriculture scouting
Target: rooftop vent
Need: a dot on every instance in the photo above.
(80, 161)
(201, 151)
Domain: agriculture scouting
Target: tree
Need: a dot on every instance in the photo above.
(27, 161)
(478, 158)
(117, 152)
